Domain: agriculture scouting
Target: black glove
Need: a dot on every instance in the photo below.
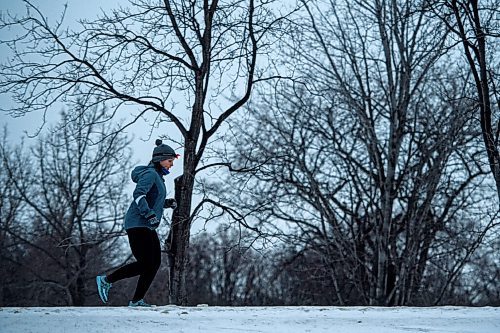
(152, 221)
(170, 203)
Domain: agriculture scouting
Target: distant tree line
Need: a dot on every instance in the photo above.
(61, 210)
(221, 273)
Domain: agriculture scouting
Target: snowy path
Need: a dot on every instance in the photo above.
(250, 319)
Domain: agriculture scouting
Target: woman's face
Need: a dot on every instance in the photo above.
(167, 164)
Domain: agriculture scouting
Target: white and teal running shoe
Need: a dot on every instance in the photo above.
(103, 287)
(139, 303)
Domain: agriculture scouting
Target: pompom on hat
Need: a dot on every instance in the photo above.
(163, 152)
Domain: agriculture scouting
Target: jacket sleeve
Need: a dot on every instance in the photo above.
(143, 186)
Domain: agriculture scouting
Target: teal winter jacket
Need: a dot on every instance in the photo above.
(149, 197)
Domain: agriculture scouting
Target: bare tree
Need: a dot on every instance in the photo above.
(361, 157)
(172, 59)
(475, 24)
(74, 199)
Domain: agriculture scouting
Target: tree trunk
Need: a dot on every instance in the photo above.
(181, 219)
(181, 225)
(475, 52)
(179, 238)
(485, 110)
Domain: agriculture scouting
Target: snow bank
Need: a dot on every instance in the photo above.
(250, 319)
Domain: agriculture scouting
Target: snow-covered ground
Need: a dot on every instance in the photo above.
(250, 319)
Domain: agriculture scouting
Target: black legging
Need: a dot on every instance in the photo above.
(146, 249)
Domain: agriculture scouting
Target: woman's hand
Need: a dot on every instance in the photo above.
(170, 203)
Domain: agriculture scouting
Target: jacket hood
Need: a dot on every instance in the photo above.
(141, 170)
